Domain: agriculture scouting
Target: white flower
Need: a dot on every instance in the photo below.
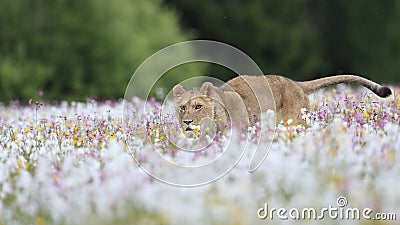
(101, 183)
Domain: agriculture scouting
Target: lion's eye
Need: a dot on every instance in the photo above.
(182, 108)
(198, 107)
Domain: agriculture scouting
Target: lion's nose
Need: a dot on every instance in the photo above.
(188, 121)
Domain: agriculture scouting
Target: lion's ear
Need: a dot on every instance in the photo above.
(178, 90)
(206, 88)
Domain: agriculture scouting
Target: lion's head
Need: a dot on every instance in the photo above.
(194, 105)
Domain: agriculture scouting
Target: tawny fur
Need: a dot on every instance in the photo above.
(242, 99)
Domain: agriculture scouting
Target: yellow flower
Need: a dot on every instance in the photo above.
(40, 221)
(197, 131)
(390, 156)
(19, 163)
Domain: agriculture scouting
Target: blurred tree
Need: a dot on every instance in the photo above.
(276, 34)
(304, 39)
(75, 49)
(361, 38)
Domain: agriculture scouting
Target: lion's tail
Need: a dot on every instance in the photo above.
(310, 87)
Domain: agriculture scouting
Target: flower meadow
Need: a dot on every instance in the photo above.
(73, 163)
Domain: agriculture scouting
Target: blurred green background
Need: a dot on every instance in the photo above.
(72, 49)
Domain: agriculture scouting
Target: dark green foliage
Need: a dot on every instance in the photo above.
(75, 49)
(304, 39)
(361, 37)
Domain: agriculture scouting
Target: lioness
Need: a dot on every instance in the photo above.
(242, 99)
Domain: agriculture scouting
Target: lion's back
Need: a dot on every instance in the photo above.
(260, 93)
